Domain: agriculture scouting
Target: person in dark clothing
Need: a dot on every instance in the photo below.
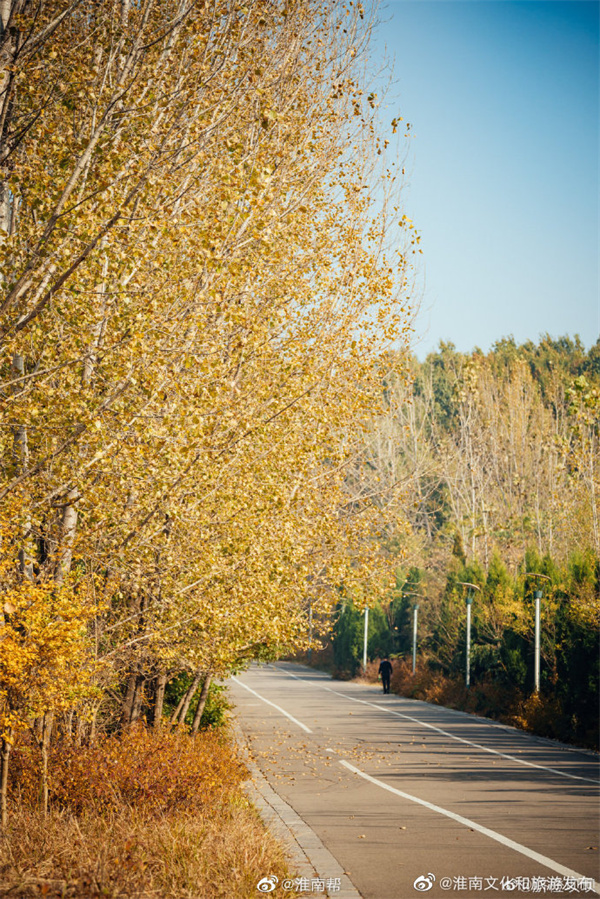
(385, 670)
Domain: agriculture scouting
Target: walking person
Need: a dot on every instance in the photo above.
(385, 670)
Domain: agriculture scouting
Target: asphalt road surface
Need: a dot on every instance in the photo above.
(413, 798)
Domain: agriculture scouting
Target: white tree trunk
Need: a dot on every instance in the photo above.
(67, 537)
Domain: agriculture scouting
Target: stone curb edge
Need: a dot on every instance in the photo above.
(304, 848)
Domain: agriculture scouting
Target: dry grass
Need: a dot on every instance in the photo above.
(213, 848)
(118, 854)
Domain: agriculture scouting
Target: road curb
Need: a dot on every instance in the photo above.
(308, 855)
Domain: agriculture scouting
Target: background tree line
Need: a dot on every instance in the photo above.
(497, 457)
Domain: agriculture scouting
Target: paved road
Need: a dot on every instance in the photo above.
(411, 797)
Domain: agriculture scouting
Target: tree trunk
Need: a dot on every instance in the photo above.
(128, 701)
(21, 460)
(201, 703)
(183, 707)
(45, 747)
(138, 699)
(6, 748)
(175, 715)
(89, 363)
(67, 536)
(159, 699)
(5, 10)
(9, 42)
(80, 735)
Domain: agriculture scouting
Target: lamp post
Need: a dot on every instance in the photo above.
(414, 634)
(537, 633)
(414, 654)
(310, 631)
(469, 602)
(366, 637)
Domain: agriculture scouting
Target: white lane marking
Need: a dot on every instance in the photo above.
(511, 844)
(278, 707)
(439, 730)
(504, 755)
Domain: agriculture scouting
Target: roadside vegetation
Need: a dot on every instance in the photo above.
(498, 460)
(142, 814)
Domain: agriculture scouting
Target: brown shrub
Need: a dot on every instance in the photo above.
(541, 715)
(488, 697)
(156, 772)
(139, 815)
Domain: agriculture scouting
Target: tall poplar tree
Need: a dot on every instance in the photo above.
(199, 279)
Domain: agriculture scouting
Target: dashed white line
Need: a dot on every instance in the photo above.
(446, 733)
(492, 834)
(278, 707)
(498, 837)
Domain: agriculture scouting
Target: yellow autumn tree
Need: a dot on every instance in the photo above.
(200, 278)
(46, 661)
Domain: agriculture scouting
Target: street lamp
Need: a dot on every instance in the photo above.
(469, 602)
(414, 639)
(366, 637)
(537, 640)
(415, 614)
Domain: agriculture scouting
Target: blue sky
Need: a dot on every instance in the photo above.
(502, 171)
